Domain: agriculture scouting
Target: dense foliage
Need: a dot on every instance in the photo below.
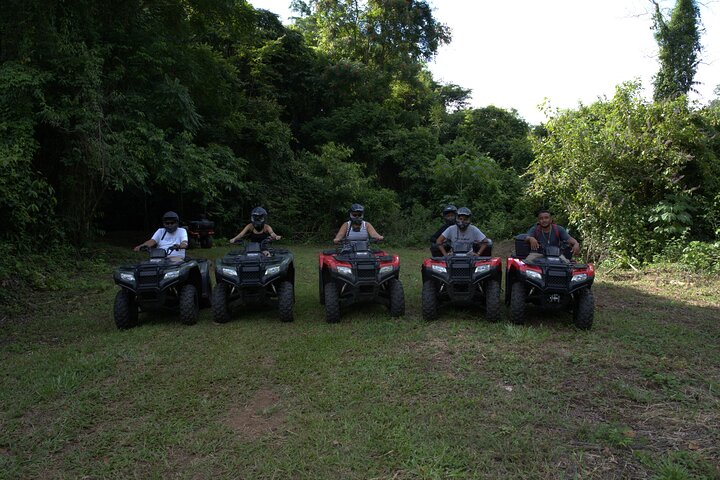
(114, 112)
(632, 175)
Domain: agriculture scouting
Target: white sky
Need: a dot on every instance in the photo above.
(516, 53)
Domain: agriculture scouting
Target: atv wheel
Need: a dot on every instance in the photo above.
(286, 298)
(492, 301)
(584, 310)
(429, 301)
(220, 304)
(397, 298)
(206, 242)
(332, 303)
(518, 297)
(125, 310)
(192, 243)
(189, 305)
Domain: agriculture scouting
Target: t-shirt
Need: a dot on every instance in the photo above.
(471, 234)
(170, 239)
(550, 238)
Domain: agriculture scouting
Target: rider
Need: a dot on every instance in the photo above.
(546, 233)
(169, 236)
(449, 215)
(257, 230)
(356, 228)
(462, 231)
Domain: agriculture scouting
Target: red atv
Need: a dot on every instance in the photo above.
(463, 279)
(355, 273)
(550, 283)
(200, 232)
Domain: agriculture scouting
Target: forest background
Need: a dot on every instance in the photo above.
(113, 112)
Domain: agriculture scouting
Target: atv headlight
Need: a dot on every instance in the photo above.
(533, 274)
(171, 274)
(127, 277)
(482, 268)
(230, 272)
(272, 270)
(580, 277)
(345, 271)
(386, 269)
(439, 269)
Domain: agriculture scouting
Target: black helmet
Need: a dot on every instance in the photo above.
(450, 209)
(171, 220)
(463, 224)
(258, 217)
(357, 213)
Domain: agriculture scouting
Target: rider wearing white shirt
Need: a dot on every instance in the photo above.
(169, 236)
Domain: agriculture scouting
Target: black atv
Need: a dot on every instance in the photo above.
(161, 283)
(254, 275)
(549, 283)
(355, 273)
(463, 279)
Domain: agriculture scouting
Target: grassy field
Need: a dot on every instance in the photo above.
(638, 396)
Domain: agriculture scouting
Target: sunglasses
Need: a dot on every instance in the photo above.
(356, 214)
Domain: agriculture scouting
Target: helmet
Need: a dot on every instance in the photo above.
(171, 220)
(463, 224)
(258, 217)
(357, 213)
(449, 214)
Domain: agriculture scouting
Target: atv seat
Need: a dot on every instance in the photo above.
(522, 249)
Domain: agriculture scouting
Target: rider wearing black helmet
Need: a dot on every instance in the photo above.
(169, 236)
(356, 228)
(463, 231)
(257, 230)
(449, 215)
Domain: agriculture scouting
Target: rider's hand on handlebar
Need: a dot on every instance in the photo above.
(534, 245)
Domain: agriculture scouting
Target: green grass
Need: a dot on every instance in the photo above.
(638, 396)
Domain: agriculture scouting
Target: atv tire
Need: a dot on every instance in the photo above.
(429, 301)
(189, 305)
(125, 310)
(518, 298)
(584, 310)
(492, 301)
(206, 242)
(397, 298)
(332, 303)
(221, 313)
(286, 298)
(192, 244)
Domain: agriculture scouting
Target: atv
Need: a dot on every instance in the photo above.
(161, 283)
(255, 274)
(462, 278)
(200, 232)
(550, 283)
(355, 273)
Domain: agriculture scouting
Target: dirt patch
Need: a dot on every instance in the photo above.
(261, 416)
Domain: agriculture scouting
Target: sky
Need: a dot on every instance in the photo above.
(522, 53)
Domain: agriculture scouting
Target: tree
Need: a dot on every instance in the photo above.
(679, 43)
(392, 35)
